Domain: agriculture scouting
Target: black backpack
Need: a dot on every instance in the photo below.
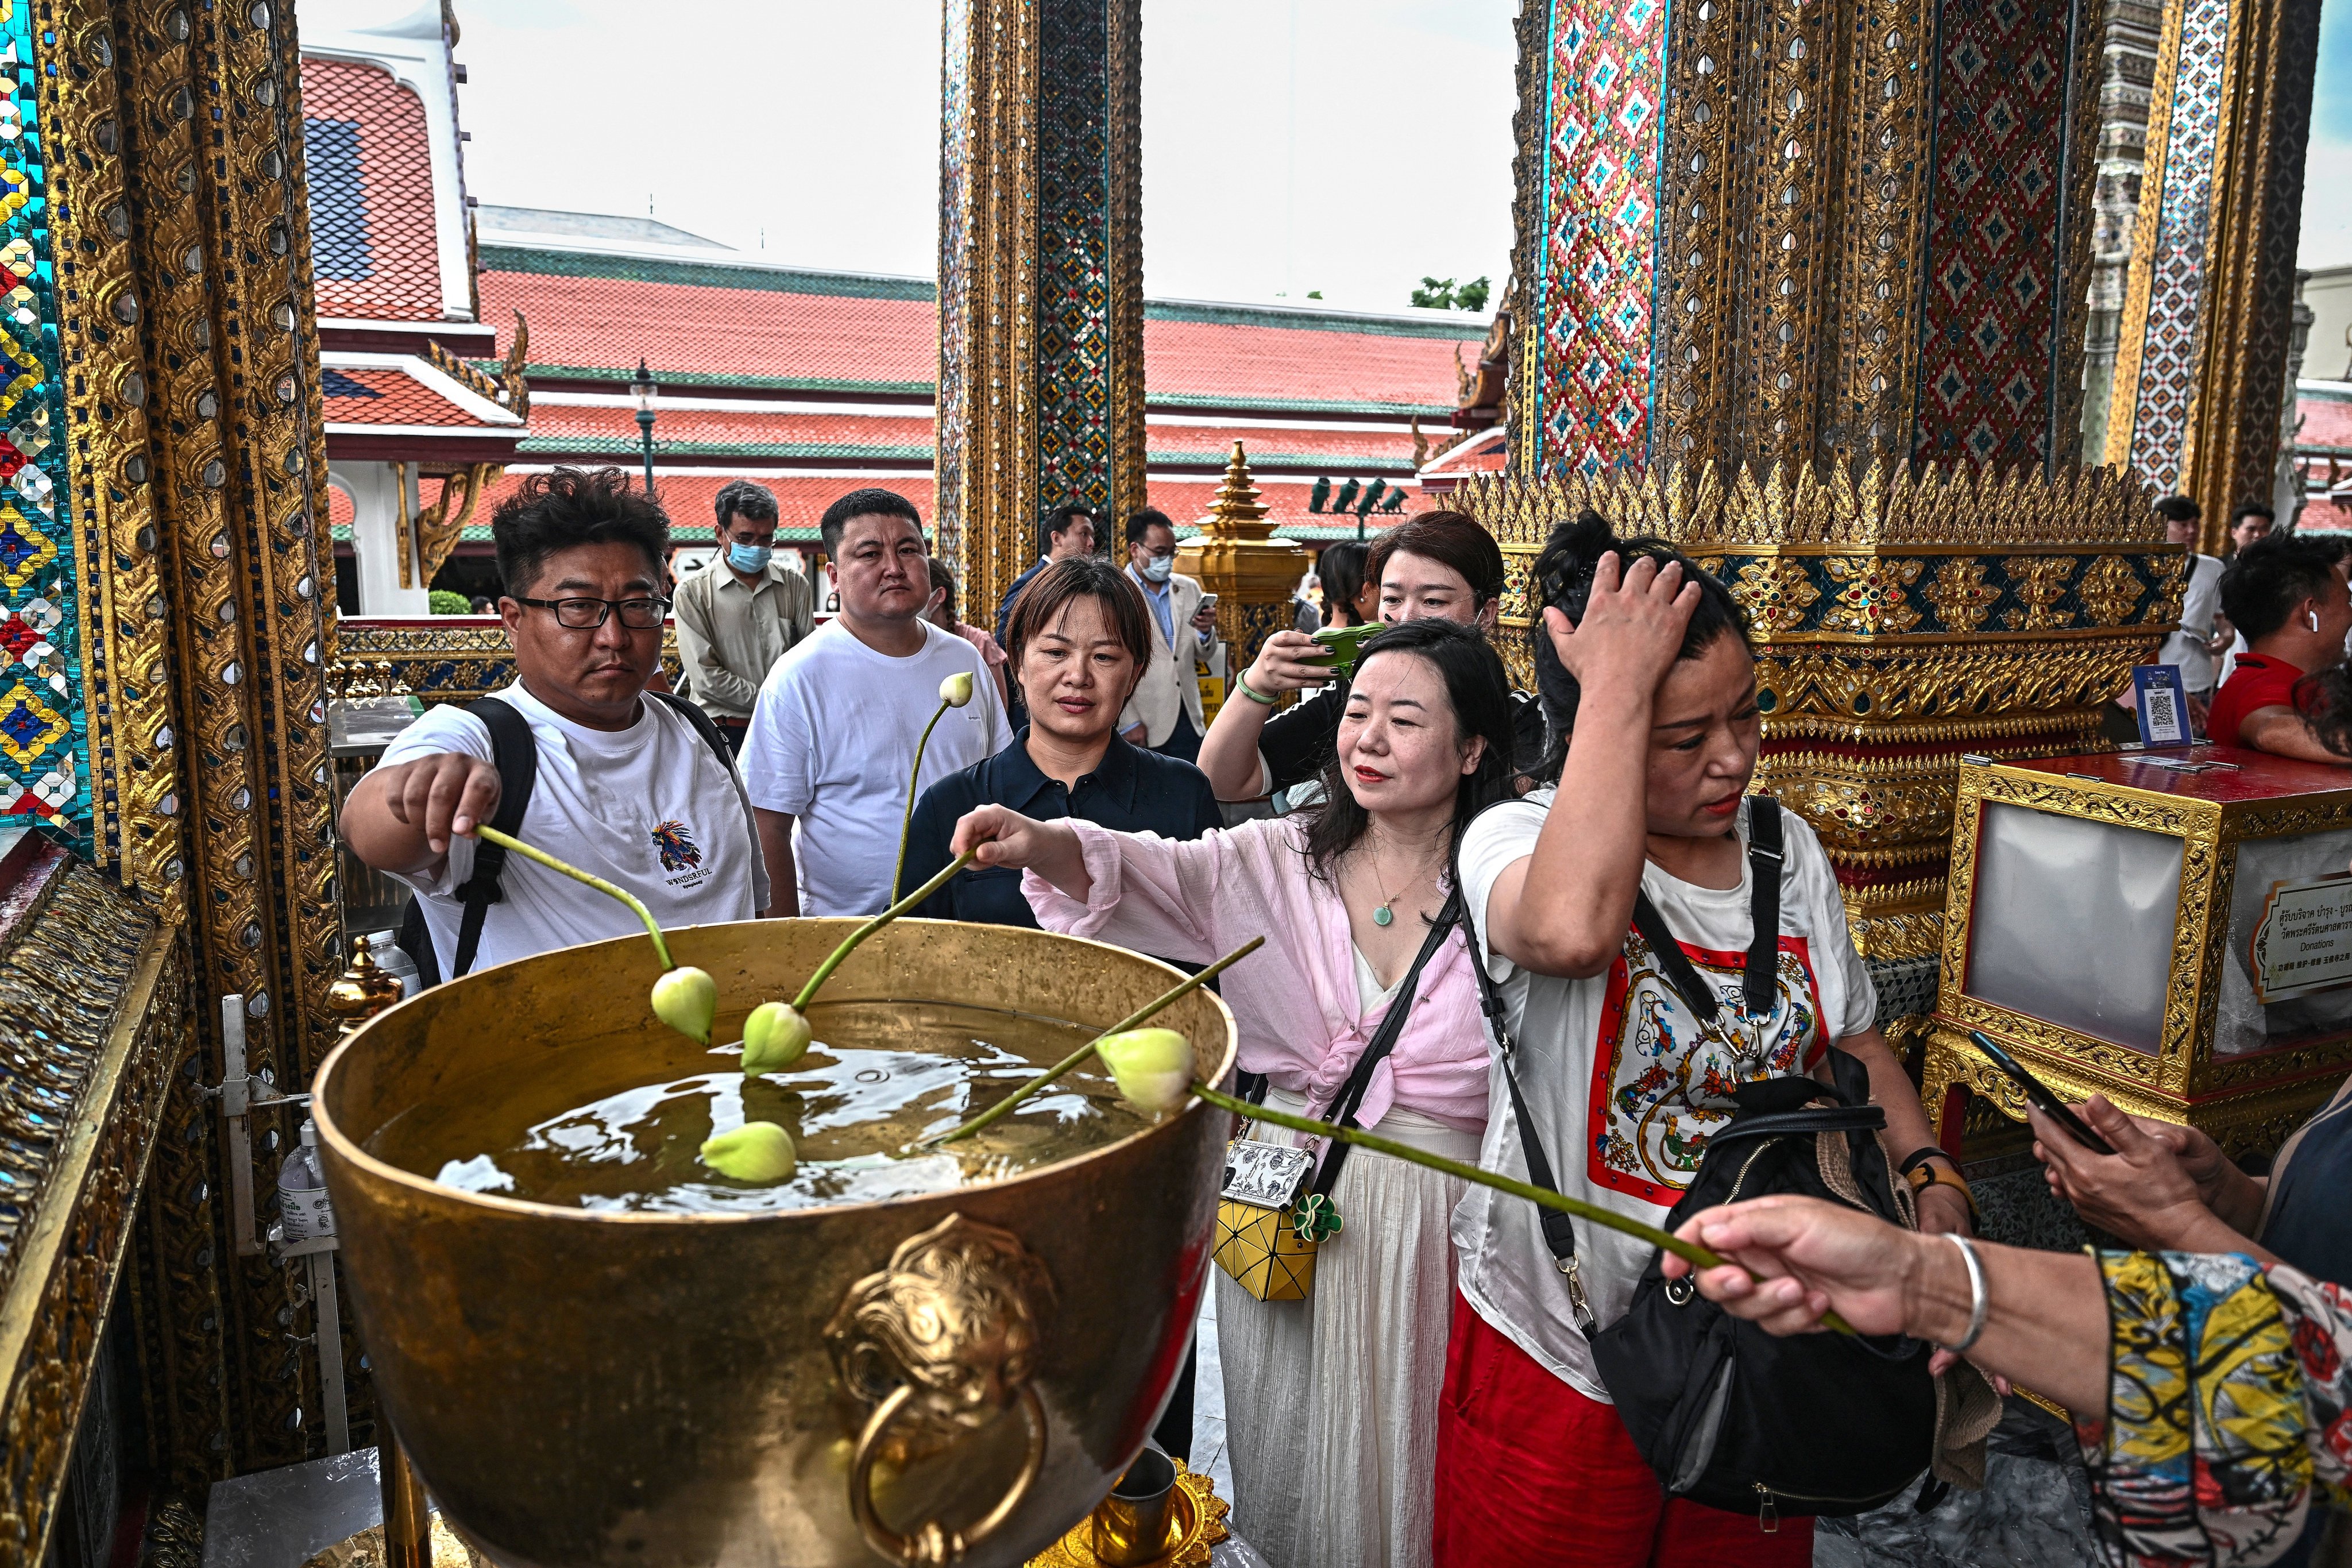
(1726, 1413)
(516, 757)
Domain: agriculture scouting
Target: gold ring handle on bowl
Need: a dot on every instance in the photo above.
(932, 1545)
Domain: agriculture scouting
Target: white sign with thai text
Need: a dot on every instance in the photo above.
(2302, 943)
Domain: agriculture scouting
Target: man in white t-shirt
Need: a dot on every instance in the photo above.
(835, 730)
(625, 787)
(2191, 648)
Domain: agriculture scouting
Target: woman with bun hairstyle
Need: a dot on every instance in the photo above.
(1643, 665)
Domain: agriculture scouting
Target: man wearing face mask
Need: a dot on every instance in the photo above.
(1164, 714)
(741, 614)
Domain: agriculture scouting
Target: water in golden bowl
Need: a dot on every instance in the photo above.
(620, 1127)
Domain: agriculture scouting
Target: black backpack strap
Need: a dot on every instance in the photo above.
(1342, 1109)
(1559, 1231)
(702, 726)
(1759, 981)
(516, 757)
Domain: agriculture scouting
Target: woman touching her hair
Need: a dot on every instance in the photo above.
(1642, 664)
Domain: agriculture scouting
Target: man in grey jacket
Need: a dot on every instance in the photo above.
(741, 614)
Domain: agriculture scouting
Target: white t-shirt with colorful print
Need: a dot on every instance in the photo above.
(1624, 1085)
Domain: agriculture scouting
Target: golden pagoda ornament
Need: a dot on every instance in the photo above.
(1237, 558)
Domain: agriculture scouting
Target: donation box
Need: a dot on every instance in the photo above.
(2171, 928)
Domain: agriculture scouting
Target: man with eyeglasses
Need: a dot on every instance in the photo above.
(833, 734)
(634, 787)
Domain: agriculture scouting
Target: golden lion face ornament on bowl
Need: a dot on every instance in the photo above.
(961, 1373)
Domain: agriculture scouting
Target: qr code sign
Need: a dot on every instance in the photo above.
(2164, 711)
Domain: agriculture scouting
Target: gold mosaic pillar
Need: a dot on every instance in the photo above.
(2201, 374)
(1805, 288)
(1040, 277)
(186, 338)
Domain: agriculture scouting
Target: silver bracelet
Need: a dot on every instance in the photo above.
(1980, 1304)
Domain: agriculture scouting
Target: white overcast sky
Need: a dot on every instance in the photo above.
(1345, 146)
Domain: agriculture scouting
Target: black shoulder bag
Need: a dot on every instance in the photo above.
(515, 754)
(1726, 1413)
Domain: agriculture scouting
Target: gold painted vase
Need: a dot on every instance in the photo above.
(963, 1373)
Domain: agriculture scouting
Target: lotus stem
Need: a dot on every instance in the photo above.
(652, 929)
(906, 821)
(825, 971)
(1005, 1107)
(1690, 1252)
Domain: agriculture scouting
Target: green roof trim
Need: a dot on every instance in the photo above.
(1469, 329)
(1321, 462)
(1213, 402)
(622, 446)
(672, 379)
(703, 274)
(1218, 400)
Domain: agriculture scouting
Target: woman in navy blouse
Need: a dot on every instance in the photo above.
(1076, 641)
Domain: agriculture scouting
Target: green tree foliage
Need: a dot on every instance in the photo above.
(448, 602)
(1445, 294)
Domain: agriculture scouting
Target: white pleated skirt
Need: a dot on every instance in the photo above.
(1331, 1402)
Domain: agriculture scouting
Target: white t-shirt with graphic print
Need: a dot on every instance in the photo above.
(650, 808)
(1621, 1084)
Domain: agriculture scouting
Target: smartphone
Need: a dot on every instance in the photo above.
(1209, 602)
(2039, 1094)
(1344, 642)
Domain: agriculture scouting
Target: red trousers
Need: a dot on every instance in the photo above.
(1531, 1472)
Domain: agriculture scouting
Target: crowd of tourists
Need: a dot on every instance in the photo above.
(1550, 934)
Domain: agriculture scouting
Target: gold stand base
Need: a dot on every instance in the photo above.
(1198, 1523)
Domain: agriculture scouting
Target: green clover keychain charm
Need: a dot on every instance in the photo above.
(1315, 1220)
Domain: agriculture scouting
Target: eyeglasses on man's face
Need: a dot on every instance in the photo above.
(587, 615)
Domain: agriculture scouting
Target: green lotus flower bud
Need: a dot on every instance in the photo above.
(956, 689)
(774, 1035)
(1153, 1067)
(755, 1151)
(686, 999)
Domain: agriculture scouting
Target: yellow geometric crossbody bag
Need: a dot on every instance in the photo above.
(1269, 1219)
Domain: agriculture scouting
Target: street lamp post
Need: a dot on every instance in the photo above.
(644, 390)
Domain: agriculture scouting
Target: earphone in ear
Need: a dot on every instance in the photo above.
(2313, 617)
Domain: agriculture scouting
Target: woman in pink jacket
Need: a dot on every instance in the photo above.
(1330, 1402)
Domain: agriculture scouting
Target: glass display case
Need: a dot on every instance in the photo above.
(2173, 930)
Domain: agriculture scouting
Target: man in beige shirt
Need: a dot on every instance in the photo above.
(739, 613)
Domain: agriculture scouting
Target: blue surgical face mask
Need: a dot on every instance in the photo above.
(749, 557)
(1158, 567)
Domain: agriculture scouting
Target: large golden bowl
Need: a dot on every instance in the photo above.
(843, 1386)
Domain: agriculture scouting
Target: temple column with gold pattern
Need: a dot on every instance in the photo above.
(163, 552)
(2201, 376)
(1041, 276)
(1804, 289)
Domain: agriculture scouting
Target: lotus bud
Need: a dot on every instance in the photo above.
(755, 1151)
(1153, 1067)
(956, 689)
(687, 998)
(774, 1035)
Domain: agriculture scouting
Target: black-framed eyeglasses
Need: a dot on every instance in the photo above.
(587, 615)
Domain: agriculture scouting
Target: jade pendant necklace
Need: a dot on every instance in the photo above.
(1384, 912)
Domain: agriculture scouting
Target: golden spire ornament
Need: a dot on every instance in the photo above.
(1236, 513)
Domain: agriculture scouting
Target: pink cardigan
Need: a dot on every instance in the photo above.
(1294, 999)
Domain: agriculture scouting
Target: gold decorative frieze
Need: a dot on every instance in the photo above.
(1899, 620)
(93, 1023)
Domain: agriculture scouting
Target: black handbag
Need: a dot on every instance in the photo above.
(1726, 1413)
